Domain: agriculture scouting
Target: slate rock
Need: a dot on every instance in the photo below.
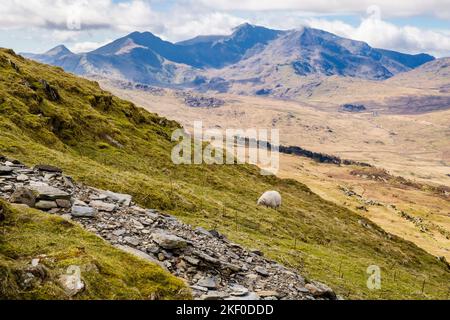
(131, 240)
(123, 199)
(62, 203)
(83, 212)
(319, 290)
(103, 206)
(45, 205)
(208, 282)
(262, 271)
(5, 170)
(214, 295)
(46, 192)
(22, 178)
(47, 168)
(23, 196)
(169, 241)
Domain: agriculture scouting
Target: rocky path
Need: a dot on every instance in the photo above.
(214, 267)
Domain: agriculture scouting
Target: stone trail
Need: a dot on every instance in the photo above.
(214, 267)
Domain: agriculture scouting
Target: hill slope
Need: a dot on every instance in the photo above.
(434, 75)
(50, 116)
(108, 273)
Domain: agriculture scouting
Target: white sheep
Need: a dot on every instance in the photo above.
(270, 199)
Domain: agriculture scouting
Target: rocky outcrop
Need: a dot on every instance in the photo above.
(353, 107)
(213, 266)
(199, 101)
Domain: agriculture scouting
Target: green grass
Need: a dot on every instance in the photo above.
(323, 241)
(107, 272)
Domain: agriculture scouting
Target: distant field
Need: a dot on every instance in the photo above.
(416, 146)
(412, 146)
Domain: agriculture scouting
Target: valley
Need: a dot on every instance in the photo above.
(363, 137)
(98, 126)
(413, 213)
(52, 117)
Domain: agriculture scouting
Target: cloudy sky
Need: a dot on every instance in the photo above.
(405, 25)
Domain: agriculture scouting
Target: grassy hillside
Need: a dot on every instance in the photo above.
(112, 144)
(108, 273)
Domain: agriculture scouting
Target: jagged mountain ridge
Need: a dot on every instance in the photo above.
(146, 58)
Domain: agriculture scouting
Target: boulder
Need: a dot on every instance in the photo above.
(208, 282)
(191, 260)
(23, 196)
(62, 203)
(169, 241)
(262, 271)
(72, 284)
(238, 290)
(5, 170)
(47, 168)
(214, 295)
(248, 297)
(22, 178)
(268, 294)
(319, 290)
(119, 232)
(46, 205)
(123, 199)
(8, 188)
(83, 211)
(231, 266)
(46, 192)
(103, 206)
(131, 240)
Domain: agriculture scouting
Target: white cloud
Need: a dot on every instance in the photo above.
(87, 46)
(75, 22)
(438, 8)
(75, 14)
(382, 34)
(69, 18)
(187, 25)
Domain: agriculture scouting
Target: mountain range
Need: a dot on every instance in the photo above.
(249, 54)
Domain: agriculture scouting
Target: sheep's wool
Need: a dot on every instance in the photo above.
(271, 199)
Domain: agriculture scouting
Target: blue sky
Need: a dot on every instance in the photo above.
(406, 25)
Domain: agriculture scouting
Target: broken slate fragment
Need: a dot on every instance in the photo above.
(22, 178)
(208, 282)
(262, 271)
(45, 192)
(46, 205)
(4, 170)
(83, 212)
(103, 206)
(23, 196)
(169, 241)
(47, 168)
(131, 240)
(123, 199)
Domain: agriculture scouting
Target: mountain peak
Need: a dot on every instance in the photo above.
(308, 50)
(58, 51)
(247, 28)
(243, 26)
(248, 35)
